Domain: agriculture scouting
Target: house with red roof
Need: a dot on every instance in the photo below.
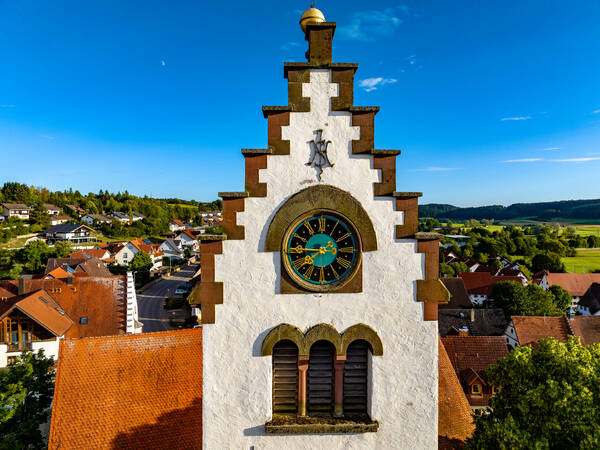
(176, 225)
(577, 284)
(526, 330)
(471, 356)
(480, 284)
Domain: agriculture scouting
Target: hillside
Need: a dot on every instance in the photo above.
(546, 211)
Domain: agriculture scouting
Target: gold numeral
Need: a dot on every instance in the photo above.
(296, 235)
(336, 224)
(309, 271)
(343, 237)
(343, 262)
(297, 249)
(335, 274)
(298, 263)
(322, 221)
(309, 228)
(322, 276)
(346, 249)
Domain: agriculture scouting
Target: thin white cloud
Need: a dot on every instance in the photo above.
(435, 169)
(48, 137)
(596, 111)
(163, 62)
(370, 84)
(8, 106)
(522, 160)
(289, 45)
(551, 148)
(516, 118)
(586, 159)
(368, 25)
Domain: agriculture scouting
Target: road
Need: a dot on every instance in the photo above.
(150, 304)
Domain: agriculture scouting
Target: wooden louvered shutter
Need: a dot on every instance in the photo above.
(285, 377)
(355, 378)
(320, 378)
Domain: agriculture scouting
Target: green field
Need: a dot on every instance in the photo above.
(587, 259)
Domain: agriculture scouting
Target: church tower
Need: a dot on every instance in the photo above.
(319, 304)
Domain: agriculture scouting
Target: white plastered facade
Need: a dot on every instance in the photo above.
(237, 379)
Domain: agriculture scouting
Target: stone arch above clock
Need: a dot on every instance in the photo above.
(316, 198)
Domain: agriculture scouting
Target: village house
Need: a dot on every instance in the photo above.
(37, 313)
(92, 219)
(188, 239)
(17, 210)
(459, 297)
(76, 209)
(126, 218)
(589, 305)
(479, 284)
(576, 284)
(470, 357)
(59, 219)
(51, 209)
(176, 225)
(525, 330)
(75, 233)
(172, 248)
(472, 322)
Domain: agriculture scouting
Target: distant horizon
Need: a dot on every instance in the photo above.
(490, 102)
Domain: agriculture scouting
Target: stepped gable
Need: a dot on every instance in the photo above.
(126, 392)
(455, 423)
(324, 90)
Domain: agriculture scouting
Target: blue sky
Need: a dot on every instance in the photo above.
(491, 102)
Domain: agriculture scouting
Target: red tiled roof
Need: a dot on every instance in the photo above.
(459, 297)
(576, 283)
(42, 308)
(481, 283)
(100, 299)
(57, 273)
(129, 392)
(178, 222)
(455, 421)
(475, 353)
(531, 328)
(89, 253)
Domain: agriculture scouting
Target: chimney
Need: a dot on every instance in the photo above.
(319, 37)
(21, 285)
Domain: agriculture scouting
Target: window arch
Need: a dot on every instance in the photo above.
(320, 380)
(285, 377)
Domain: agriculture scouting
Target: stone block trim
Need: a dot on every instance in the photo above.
(320, 39)
(320, 332)
(366, 121)
(208, 292)
(387, 165)
(254, 162)
(233, 202)
(408, 203)
(277, 118)
(431, 290)
(315, 198)
(296, 78)
(345, 80)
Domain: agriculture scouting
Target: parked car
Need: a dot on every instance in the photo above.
(183, 289)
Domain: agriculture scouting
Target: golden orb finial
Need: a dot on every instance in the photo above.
(311, 15)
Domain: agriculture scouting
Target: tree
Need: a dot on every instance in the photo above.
(26, 390)
(141, 262)
(35, 255)
(562, 298)
(550, 261)
(62, 249)
(518, 300)
(39, 215)
(548, 399)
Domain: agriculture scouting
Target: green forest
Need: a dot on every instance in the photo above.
(546, 211)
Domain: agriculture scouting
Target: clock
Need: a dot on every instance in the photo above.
(321, 251)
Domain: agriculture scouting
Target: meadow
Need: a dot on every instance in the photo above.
(587, 260)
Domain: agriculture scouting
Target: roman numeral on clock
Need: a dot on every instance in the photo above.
(346, 250)
(309, 271)
(343, 237)
(309, 228)
(322, 276)
(322, 222)
(298, 263)
(335, 274)
(296, 235)
(343, 262)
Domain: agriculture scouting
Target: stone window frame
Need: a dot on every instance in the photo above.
(304, 342)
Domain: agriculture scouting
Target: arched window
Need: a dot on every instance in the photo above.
(355, 377)
(320, 387)
(285, 377)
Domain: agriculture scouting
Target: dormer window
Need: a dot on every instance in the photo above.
(476, 389)
(83, 320)
(495, 390)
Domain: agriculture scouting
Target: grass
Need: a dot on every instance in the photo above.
(587, 259)
(588, 231)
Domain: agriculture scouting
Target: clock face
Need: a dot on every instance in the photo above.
(321, 251)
